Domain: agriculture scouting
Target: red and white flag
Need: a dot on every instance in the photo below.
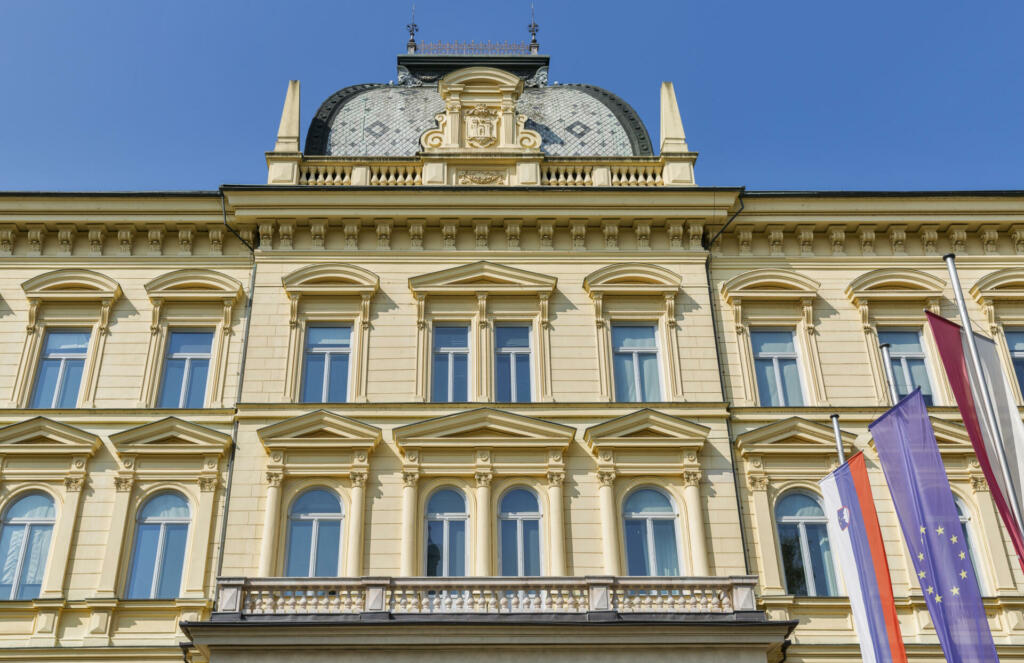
(963, 378)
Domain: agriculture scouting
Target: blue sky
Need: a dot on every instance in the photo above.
(141, 95)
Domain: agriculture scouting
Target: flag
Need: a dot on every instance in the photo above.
(924, 505)
(963, 378)
(857, 541)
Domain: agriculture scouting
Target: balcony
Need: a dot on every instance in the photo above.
(242, 598)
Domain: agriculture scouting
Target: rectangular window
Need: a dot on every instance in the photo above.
(512, 364)
(325, 367)
(451, 364)
(186, 367)
(776, 367)
(60, 368)
(635, 363)
(1015, 341)
(908, 361)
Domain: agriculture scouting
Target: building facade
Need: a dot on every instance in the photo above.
(476, 368)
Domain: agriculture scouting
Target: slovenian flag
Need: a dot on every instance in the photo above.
(857, 543)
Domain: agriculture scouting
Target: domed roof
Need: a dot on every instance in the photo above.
(379, 120)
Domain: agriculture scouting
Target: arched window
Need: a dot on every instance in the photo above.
(650, 527)
(314, 535)
(519, 523)
(25, 546)
(803, 539)
(159, 552)
(969, 540)
(446, 533)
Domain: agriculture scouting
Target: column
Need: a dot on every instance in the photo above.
(609, 522)
(556, 524)
(53, 581)
(483, 523)
(271, 517)
(199, 546)
(695, 522)
(409, 522)
(106, 586)
(763, 523)
(354, 547)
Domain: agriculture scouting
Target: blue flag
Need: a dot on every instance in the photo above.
(927, 514)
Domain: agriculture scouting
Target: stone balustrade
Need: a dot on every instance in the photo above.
(246, 597)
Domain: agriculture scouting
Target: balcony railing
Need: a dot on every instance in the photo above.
(247, 597)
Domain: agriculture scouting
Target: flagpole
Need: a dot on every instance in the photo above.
(986, 396)
(839, 438)
(890, 379)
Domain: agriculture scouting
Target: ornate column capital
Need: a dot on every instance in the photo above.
(410, 478)
(555, 477)
(274, 479)
(758, 482)
(483, 479)
(691, 478)
(358, 478)
(606, 477)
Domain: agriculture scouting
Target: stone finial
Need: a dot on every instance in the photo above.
(673, 139)
(288, 130)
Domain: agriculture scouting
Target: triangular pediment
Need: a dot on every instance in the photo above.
(484, 427)
(319, 429)
(42, 436)
(644, 429)
(483, 276)
(171, 436)
(793, 436)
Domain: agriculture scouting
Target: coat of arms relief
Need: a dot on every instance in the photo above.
(481, 126)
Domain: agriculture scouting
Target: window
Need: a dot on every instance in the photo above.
(451, 364)
(908, 362)
(24, 546)
(803, 539)
(186, 367)
(325, 368)
(519, 523)
(60, 368)
(446, 534)
(965, 524)
(775, 364)
(650, 528)
(159, 551)
(1015, 342)
(512, 364)
(635, 363)
(314, 535)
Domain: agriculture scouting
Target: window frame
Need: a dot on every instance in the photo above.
(61, 375)
(209, 356)
(518, 517)
(1014, 357)
(23, 551)
(652, 561)
(467, 351)
(446, 518)
(775, 365)
(923, 355)
(621, 322)
(316, 518)
(805, 551)
(530, 354)
(158, 569)
(306, 352)
(966, 517)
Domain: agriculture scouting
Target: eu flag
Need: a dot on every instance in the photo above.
(924, 504)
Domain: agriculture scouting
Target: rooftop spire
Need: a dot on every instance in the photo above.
(410, 46)
(533, 28)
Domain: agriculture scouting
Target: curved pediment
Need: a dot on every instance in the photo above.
(483, 277)
(894, 284)
(646, 429)
(485, 77)
(632, 279)
(193, 285)
(71, 284)
(317, 430)
(484, 427)
(42, 436)
(331, 279)
(171, 436)
(792, 436)
(1006, 284)
(770, 284)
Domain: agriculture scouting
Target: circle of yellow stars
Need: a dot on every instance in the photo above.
(922, 575)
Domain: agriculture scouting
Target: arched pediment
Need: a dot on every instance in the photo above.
(487, 77)
(894, 284)
(645, 429)
(632, 279)
(193, 285)
(71, 284)
(42, 436)
(482, 277)
(170, 436)
(483, 427)
(331, 279)
(769, 284)
(951, 437)
(319, 430)
(792, 436)
(1007, 284)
